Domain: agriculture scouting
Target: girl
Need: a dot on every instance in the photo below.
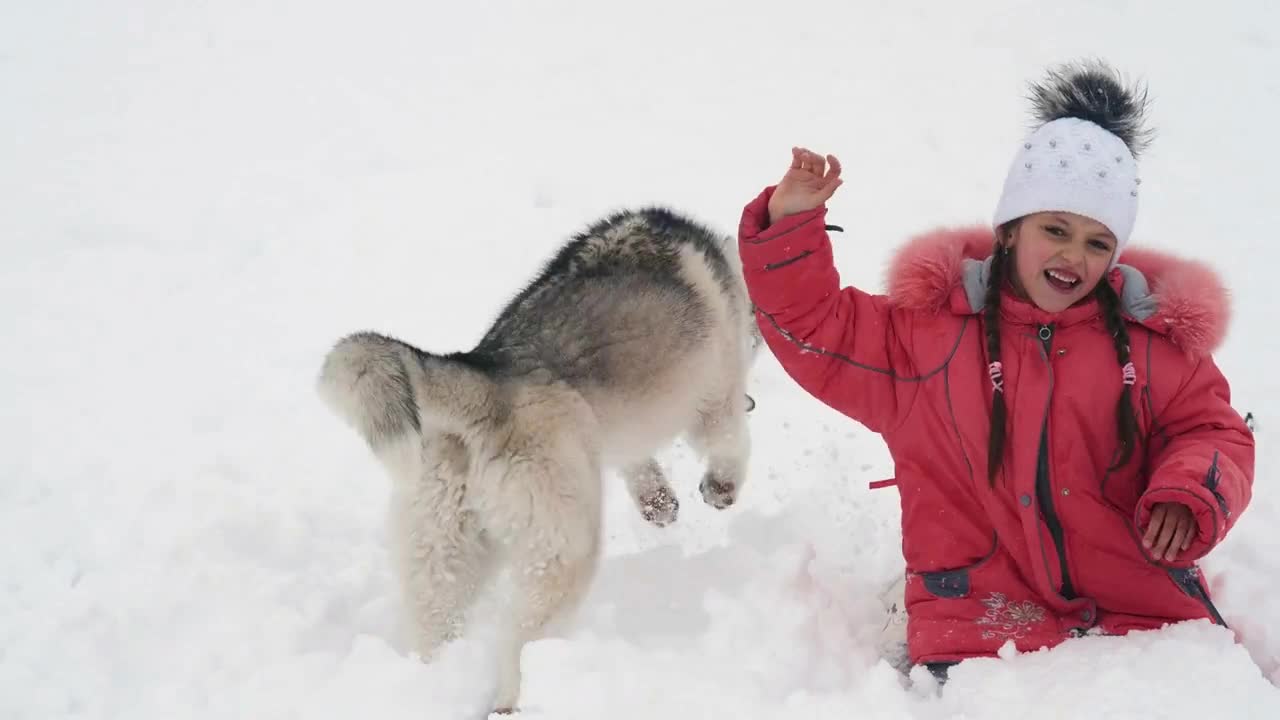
(1064, 444)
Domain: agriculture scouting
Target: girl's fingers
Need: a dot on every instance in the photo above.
(1178, 544)
(835, 167)
(819, 164)
(802, 158)
(832, 179)
(811, 161)
(1165, 542)
(825, 177)
(1153, 529)
(829, 189)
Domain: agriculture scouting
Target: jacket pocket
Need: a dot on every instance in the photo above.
(947, 583)
(954, 583)
(788, 261)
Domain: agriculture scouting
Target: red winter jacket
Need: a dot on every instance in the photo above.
(1054, 549)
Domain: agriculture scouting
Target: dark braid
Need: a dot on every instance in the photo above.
(995, 280)
(1126, 420)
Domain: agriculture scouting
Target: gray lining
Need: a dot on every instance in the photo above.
(976, 275)
(1136, 299)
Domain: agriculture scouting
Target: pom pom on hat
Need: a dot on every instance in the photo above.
(1092, 91)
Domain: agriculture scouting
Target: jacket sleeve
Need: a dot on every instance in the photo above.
(838, 344)
(1202, 456)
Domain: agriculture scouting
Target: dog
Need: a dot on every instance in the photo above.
(638, 331)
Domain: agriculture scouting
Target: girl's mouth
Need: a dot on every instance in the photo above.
(1062, 280)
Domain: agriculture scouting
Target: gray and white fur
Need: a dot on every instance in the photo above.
(1093, 90)
(638, 331)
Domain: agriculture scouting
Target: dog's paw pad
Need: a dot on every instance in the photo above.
(660, 507)
(717, 493)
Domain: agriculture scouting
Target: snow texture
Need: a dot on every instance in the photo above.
(199, 198)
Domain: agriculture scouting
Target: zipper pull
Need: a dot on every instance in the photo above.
(1046, 336)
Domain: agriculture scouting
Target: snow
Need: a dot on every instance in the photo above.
(199, 198)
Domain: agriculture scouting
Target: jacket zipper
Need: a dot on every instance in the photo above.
(1189, 580)
(1044, 493)
(1211, 479)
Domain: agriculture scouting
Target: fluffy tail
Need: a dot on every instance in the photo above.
(387, 389)
(729, 246)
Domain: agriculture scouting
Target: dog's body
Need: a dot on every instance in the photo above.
(638, 331)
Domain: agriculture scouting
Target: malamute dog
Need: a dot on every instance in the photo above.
(638, 331)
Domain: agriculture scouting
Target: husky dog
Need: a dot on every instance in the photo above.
(638, 331)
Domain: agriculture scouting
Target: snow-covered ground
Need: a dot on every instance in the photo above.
(196, 199)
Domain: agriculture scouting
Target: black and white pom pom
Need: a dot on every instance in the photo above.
(1093, 91)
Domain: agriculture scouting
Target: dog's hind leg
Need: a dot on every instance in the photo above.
(441, 555)
(552, 559)
(442, 571)
(547, 587)
(651, 492)
(720, 435)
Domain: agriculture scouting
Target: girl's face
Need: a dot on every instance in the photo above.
(1059, 257)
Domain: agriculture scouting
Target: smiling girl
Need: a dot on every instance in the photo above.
(1064, 444)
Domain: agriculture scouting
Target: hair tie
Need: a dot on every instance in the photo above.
(996, 371)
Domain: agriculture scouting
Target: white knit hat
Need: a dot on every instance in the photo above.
(1074, 166)
(1081, 159)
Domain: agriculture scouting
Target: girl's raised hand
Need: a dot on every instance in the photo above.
(809, 182)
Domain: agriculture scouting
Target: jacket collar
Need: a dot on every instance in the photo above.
(947, 269)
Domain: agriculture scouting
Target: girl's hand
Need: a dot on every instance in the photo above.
(807, 184)
(1171, 531)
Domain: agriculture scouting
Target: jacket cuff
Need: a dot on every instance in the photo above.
(768, 247)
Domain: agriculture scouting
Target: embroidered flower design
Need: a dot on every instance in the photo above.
(1008, 620)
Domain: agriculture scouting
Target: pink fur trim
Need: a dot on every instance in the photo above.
(925, 271)
(1193, 306)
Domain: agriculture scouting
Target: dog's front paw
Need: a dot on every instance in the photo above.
(718, 492)
(660, 507)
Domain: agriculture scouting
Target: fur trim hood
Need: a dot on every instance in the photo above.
(1183, 300)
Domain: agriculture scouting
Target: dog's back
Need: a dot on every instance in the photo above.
(641, 306)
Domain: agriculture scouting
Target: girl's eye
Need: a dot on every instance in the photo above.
(1099, 245)
(1055, 231)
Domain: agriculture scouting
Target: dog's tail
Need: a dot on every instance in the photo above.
(729, 246)
(387, 389)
